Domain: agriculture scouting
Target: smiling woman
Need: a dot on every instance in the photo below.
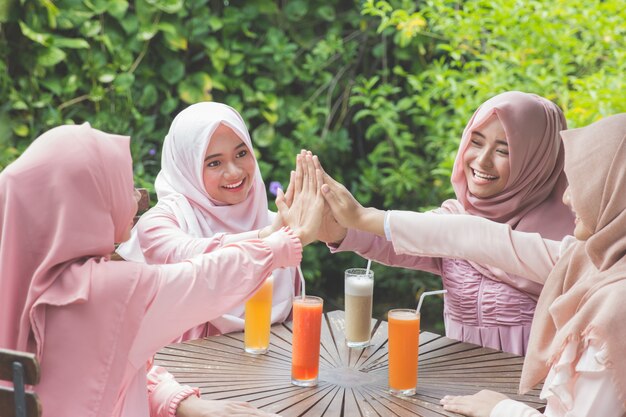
(509, 169)
(486, 159)
(210, 194)
(228, 167)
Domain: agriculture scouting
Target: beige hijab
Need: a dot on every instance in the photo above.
(585, 294)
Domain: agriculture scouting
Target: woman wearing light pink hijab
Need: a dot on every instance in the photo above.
(578, 340)
(199, 211)
(509, 169)
(95, 324)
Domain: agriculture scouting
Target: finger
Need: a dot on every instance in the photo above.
(319, 175)
(299, 174)
(290, 188)
(312, 179)
(318, 164)
(330, 197)
(280, 204)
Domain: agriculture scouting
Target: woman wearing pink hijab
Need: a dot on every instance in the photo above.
(210, 194)
(95, 324)
(578, 339)
(509, 169)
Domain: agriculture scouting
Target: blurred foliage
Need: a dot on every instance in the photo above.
(380, 90)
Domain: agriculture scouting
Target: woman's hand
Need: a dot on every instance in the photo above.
(330, 231)
(196, 407)
(304, 216)
(346, 210)
(477, 405)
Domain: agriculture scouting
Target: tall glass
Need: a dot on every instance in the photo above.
(258, 317)
(307, 328)
(404, 331)
(359, 292)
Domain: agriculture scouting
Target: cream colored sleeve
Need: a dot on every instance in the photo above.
(475, 239)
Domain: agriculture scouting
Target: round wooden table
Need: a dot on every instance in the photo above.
(352, 382)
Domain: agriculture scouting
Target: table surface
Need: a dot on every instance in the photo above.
(352, 382)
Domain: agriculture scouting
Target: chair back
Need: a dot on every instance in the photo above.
(20, 369)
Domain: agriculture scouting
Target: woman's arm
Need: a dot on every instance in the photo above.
(379, 249)
(163, 241)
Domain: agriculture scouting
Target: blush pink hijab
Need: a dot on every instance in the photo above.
(532, 198)
(63, 204)
(583, 297)
(180, 190)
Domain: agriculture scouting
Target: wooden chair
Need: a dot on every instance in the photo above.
(143, 206)
(22, 369)
(144, 203)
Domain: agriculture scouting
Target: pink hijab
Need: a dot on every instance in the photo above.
(63, 204)
(583, 297)
(532, 198)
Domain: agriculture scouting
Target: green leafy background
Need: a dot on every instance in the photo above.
(380, 90)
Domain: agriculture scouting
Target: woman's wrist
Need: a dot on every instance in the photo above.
(372, 220)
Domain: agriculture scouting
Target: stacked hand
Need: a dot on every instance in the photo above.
(331, 215)
(304, 213)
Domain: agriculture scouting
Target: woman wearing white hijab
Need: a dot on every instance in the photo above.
(210, 193)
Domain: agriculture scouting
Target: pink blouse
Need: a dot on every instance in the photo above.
(178, 300)
(580, 384)
(477, 309)
(162, 241)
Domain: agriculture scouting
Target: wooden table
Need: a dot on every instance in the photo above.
(352, 382)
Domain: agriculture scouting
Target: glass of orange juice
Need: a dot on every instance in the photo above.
(307, 328)
(257, 320)
(404, 331)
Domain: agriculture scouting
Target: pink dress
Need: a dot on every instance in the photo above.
(477, 309)
(581, 383)
(175, 299)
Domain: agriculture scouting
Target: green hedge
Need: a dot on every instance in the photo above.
(380, 90)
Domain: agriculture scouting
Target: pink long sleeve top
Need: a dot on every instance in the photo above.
(162, 241)
(477, 309)
(578, 385)
(176, 299)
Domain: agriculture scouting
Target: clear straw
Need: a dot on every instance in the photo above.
(302, 290)
(424, 294)
(369, 265)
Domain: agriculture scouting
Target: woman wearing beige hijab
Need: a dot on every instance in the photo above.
(578, 340)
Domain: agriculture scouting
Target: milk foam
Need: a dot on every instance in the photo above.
(358, 286)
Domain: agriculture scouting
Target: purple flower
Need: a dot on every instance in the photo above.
(152, 152)
(274, 186)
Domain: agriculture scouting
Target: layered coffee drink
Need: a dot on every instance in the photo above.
(359, 291)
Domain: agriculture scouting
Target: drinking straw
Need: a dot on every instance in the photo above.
(302, 292)
(424, 294)
(369, 265)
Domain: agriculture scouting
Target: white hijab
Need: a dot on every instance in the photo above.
(180, 190)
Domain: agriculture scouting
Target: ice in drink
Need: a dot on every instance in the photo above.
(258, 317)
(307, 327)
(403, 328)
(359, 291)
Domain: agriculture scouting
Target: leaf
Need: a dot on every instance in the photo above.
(168, 6)
(172, 71)
(51, 56)
(295, 10)
(117, 8)
(148, 97)
(124, 82)
(41, 38)
(21, 130)
(196, 88)
(71, 43)
(263, 136)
